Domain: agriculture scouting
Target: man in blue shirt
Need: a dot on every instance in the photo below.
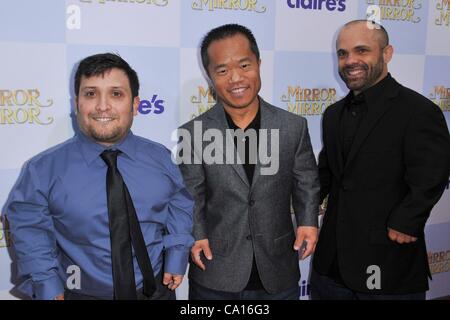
(58, 209)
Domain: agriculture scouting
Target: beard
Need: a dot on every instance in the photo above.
(105, 135)
(368, 75)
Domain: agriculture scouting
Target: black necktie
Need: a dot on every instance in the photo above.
(124, 232)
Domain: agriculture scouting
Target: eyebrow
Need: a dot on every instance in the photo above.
(246, 59)
(220, 66)
(94, 87)
(363, 46)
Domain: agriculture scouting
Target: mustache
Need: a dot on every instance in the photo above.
(103, 115)
(356, 66)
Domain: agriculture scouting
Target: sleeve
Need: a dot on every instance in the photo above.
(33, 237)
(305, 196)
(178, 240)
(195, 180)
(427, 161)
(324, 169)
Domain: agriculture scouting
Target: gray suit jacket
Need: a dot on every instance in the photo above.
(242, 220)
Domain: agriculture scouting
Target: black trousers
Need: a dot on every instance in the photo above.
(326, 288)
(161, 293)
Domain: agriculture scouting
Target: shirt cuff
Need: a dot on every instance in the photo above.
(176, 260)
(47, 289)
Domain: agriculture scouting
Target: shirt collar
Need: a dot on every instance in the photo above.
(369, 95)
(254, 124)
(373, 93)
(91, 150)
(354, 101)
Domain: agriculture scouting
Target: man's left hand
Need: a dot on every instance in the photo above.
(172, 281)
(399, 237)
(309, 236)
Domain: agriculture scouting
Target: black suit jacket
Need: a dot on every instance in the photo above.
(396, 171)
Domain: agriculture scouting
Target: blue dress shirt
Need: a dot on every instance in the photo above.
(58, 214)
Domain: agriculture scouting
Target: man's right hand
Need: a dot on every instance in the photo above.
(59, 297)
(199, 247)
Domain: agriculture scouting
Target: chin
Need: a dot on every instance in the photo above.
(241, 104)
(355, 86)
(106, 137)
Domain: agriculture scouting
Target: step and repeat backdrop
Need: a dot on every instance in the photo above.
(42, 40)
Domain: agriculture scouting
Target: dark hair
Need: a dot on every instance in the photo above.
(98, 64)
(223, 32)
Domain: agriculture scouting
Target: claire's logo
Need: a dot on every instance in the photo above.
(330, 5)
(154, 105)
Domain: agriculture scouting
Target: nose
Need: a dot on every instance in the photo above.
(103, 103)
(350, 59)
(235, 75)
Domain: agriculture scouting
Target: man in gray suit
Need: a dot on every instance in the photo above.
(246, 244)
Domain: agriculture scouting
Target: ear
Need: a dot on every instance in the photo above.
(388, 52)
(76, 104)
(211, 81)
(136, 102)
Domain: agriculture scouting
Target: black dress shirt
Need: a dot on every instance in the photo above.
(254, 282)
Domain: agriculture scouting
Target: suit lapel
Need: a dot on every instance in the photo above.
(268, 122)
(217, 114)
(334, 137)
(376, 110)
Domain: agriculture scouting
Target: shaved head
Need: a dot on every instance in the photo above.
(363, 52)
(378, 30)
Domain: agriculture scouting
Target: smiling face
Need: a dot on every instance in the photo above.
(234, 72)
(362, 56)
(105, 107)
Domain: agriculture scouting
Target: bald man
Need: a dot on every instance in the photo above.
(384, 164)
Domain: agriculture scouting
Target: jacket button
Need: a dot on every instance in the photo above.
(249, 237)
(252, 203)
